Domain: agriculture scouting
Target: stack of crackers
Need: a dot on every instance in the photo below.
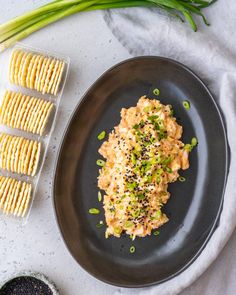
(24, 112)
(14, 196)
(36, 71)
(19, 155)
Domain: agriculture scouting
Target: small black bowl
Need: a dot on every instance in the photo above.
(28, 282)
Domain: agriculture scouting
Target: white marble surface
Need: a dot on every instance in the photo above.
(38, 246)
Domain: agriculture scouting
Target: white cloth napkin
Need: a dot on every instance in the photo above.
(211, 53)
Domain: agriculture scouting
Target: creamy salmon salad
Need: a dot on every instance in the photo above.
(143, 154)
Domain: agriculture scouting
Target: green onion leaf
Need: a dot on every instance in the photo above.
(169, 170)
(94, 211)
(100, 162)
(101, 135)
(186, 104)
(132, 249)
(156, 91)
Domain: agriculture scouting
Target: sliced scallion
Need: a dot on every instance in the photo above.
(132, 249)
(186, 104)
(101, 135)
(156, 91)
(182, 179)
(94, 211)
(99, 196)
(194, 141)
(156, 233)
(100, 162)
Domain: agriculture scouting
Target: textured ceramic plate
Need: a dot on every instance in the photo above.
(194, 206)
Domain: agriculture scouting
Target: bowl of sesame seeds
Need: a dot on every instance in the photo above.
(28, 283)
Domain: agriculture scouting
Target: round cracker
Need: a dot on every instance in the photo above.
(41, 116)
(37, 118)
(26, 205)
(5, 193)
(19, 199)
(17, 66)
(53, 77)
(18, 111)
(25, 68)
(31, 114)
(32, 157)
(9, 112)
(4, 104)
(33, 122)
(44, 120)
(37, 159)
(57, 87)
(8, 105)
(34, 72)
(15, 198)
(17, 153)
(28, 156)
(56, 79)
(9, 153)
(29, 70)
(2, 187)
(23, 109)
(24, 200)
(9, 196)
(12, 65)
(15, 109)
(22, 155)
(20, 73)
(45, 59)
(45, 73)
(39, 66)
(4, 143)
(25, 114)
(48, 77)
(13, 153)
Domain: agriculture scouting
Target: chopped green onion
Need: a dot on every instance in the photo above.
(156, 233)
(188, 147)
(101, 135)
(94, 211)
(136, 126)
(133, 158)
(147, 109)
(117, 230)
(194, 141)
(168, 169)
(131, 186)
(99, 196)
(156, 91)
(128, 224)
(100, 224)
(100, 162)
(182, 179)
(186, 104)
(132, 249)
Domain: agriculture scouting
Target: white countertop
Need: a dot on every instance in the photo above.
(38, 245)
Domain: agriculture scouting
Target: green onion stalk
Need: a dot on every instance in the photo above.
(26, 24)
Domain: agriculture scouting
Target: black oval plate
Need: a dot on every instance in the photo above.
(194, 206)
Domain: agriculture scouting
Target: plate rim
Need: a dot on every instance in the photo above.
(62, 143)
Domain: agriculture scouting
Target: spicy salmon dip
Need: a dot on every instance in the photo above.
(144, 153)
